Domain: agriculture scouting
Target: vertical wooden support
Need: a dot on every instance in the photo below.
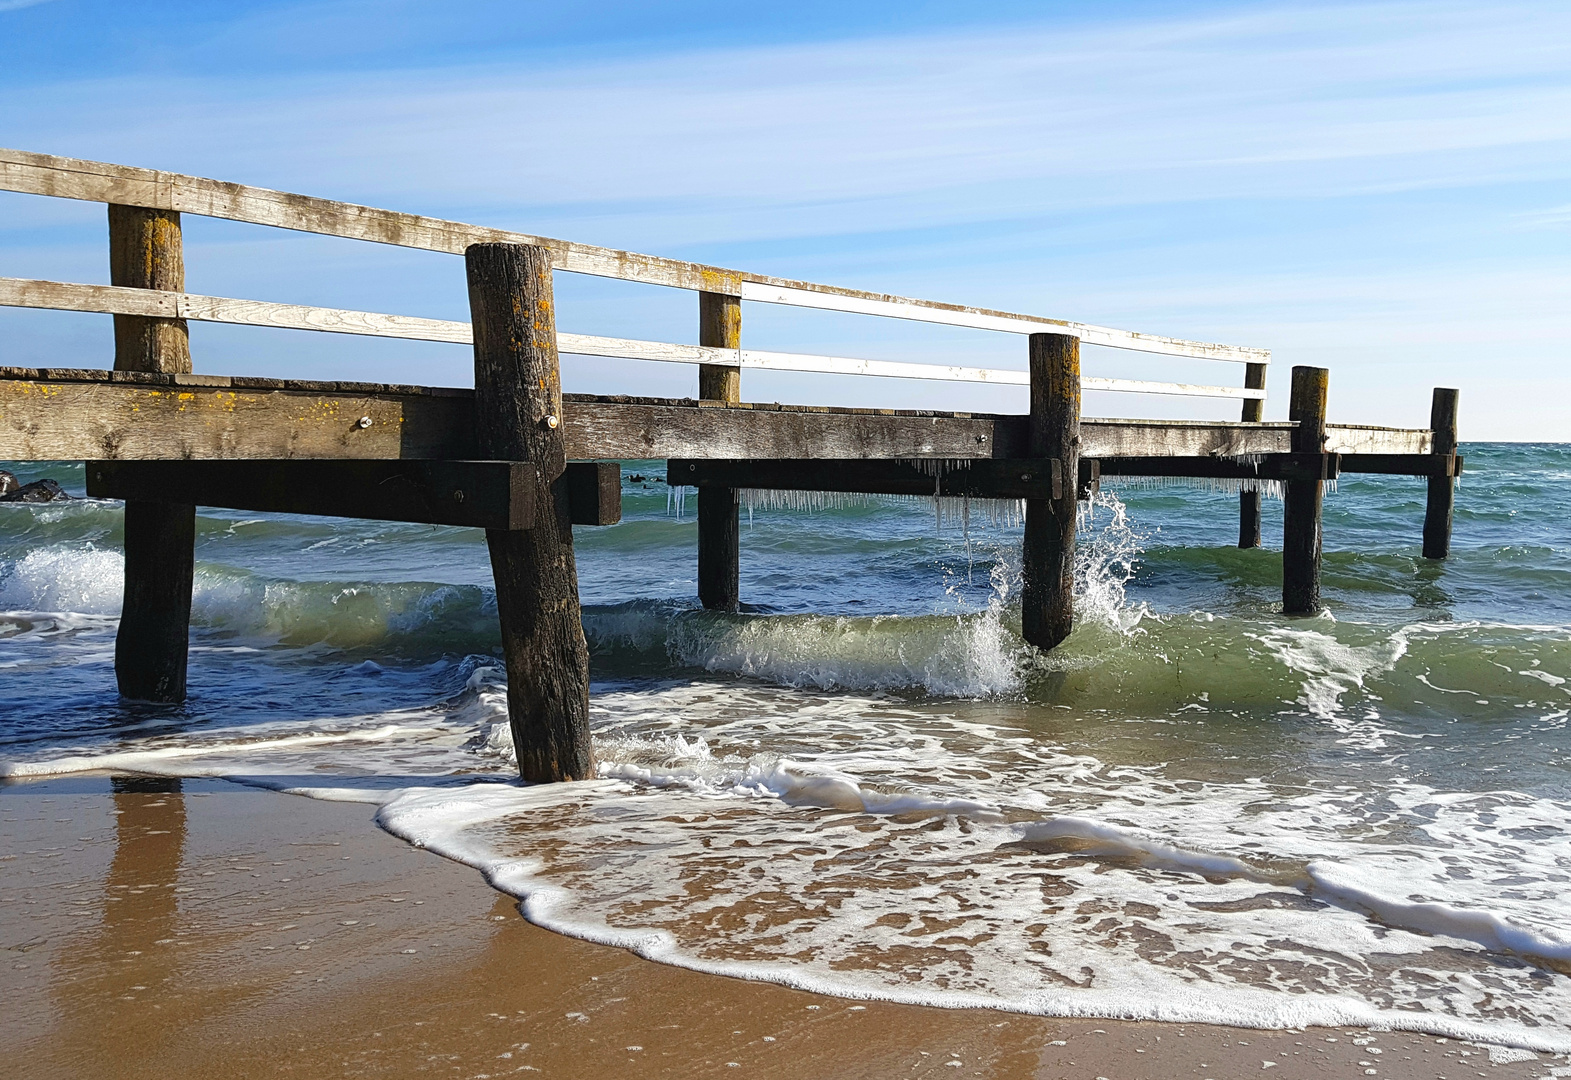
(1048, 559)
(1249, 501)
(1302, 499)
(153, 642)
(719, 532)
(518, 403)
(1437, 512)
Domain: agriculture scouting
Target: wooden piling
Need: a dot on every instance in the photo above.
(719, 530)
(1302, 498)
(153, 642)
(1048, 558)
(518, 408)
(1249, 501)
(1442, 489)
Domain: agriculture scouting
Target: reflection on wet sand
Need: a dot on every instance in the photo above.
(105, 974)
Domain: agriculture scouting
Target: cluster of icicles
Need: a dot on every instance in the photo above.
(947, 509)
(1271, 489)
(954, 510)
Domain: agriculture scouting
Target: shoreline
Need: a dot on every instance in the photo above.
(202, 927)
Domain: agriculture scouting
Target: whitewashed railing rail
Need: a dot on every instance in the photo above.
(61, 177)
(114, 300)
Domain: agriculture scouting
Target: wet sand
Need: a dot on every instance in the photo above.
(204, 929)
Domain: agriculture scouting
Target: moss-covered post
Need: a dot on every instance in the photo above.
(518, 409)
(153, 642)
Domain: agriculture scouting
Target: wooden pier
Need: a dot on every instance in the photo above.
(520, 459)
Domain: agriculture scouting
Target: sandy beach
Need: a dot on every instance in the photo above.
(205, 929)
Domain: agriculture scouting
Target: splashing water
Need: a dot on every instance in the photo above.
(1105, 562)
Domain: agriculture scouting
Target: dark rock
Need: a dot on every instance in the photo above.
(38, 491)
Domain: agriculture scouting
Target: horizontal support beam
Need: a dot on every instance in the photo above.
(1403, 464)
(473, 494)
(978, 479)
(1287, 466)
(477, 494)
(110, 299)
(1181, 438)
(71, 414)
(65, 415)
(627, 429)
(1366, 439)
(72, 178)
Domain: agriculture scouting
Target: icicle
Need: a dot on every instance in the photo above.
(947, 509)
(1271, 489)
(808, 501)
(953, 509)
(676, 499)
(937, 467)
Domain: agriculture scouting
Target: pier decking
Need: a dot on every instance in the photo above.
(526, 462)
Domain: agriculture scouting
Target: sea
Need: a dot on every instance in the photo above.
(867, 784)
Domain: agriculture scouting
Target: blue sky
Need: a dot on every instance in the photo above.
(1382, 189)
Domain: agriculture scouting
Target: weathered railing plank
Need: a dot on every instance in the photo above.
(71, 178)
(825, 297)
(70, 296)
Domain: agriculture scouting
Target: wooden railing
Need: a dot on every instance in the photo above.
(42, 174)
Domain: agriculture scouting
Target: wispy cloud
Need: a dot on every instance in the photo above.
(915, 129)
(18, 5)
(1555, 217)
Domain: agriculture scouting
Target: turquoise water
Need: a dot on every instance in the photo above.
(1195, 809)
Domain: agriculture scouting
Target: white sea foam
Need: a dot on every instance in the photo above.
(1369, 892)
(906, 853)
(1332, 669)
(164, 760)
(1096, 838)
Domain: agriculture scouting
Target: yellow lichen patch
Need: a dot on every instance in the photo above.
(718, 281)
